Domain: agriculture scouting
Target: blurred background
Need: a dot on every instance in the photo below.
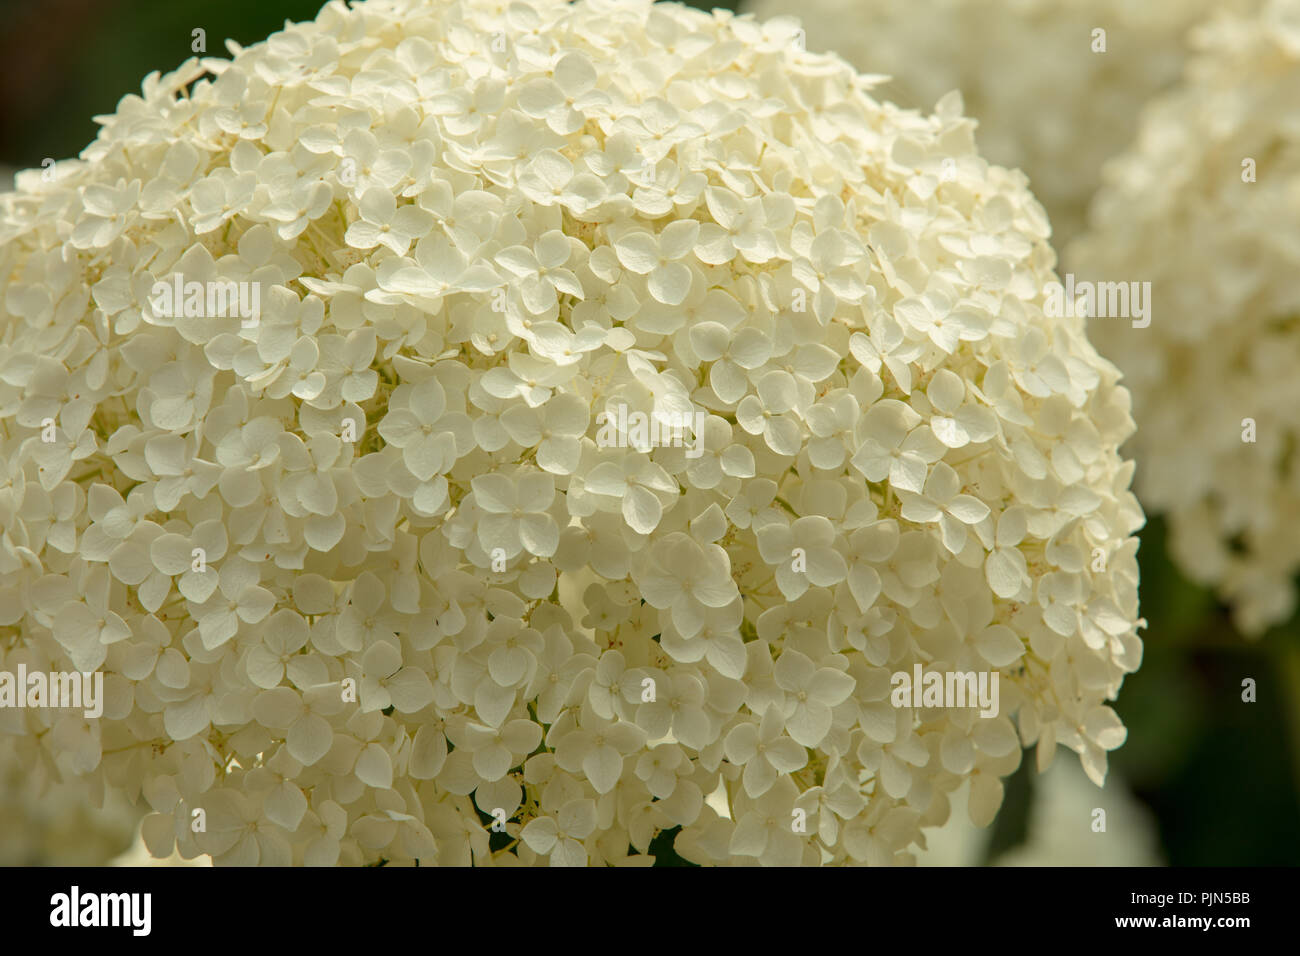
(1204, 779)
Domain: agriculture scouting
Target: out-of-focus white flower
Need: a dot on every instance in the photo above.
(1027, 71)
(368, 577)
(1203, 208)
(1064, 828)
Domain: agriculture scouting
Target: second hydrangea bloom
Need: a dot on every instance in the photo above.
(1203, 206)
(1057, 85)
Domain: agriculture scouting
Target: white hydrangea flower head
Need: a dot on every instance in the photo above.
(484, 237)
(1047, 102)
(1203, 208)
(48, 823)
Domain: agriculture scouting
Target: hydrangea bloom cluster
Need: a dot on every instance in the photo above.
(1204, 207)
(46, 823)
(1045, 101)
(477, 228)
